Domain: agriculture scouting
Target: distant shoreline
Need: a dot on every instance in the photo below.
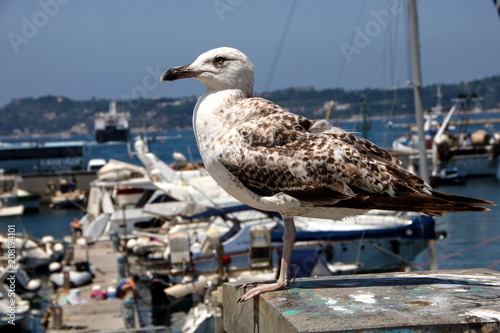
(137, 130)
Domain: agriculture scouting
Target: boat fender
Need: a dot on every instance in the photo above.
(55, 267)
(34, 285)
(58, 248)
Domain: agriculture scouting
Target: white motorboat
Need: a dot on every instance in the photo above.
(126, 196)
(14, 311)
(13, 196)
(10, 211)
(29, 254)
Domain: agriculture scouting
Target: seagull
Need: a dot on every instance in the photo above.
(274, 160)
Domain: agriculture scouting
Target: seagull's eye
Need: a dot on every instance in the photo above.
(219, 60)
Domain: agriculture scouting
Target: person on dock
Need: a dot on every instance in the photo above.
(76, 228)
(127, 284)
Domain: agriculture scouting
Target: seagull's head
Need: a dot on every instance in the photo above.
(218, 69)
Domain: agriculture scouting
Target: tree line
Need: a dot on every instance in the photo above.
(56, 114)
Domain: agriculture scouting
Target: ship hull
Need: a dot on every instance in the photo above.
(111, 134)
(42, 157)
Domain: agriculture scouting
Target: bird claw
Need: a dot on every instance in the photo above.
(255, 284)
(259, 289)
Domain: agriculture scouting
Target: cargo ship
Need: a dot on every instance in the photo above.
(111, 126)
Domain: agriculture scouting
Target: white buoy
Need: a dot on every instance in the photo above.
(55, 267)
(81, 241)
(58, 248)
(34, 285)
(47, 239)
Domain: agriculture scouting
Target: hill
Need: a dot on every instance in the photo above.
(56, 114)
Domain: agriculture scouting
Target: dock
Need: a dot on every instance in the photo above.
(95, 315)
(429, 301)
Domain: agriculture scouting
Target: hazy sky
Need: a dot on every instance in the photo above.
(119, 48)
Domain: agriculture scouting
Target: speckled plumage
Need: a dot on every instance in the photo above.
(276, 151)
(274, 160)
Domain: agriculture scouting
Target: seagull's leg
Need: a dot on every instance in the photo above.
(284, 277)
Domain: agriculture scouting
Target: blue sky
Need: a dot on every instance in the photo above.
(118, 48)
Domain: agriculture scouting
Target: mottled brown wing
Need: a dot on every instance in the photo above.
(278, 152)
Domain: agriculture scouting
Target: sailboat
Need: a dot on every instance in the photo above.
(453, 154)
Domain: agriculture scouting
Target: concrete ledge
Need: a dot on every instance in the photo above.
(438, 301)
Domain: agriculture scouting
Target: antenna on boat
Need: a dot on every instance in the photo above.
(112, 107)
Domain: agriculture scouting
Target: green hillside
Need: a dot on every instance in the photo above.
(55, 114)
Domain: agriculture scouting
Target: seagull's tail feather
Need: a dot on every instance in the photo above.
(436, 204)
(466, 201)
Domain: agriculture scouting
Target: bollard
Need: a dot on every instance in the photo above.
(57, 316)
(66, 281)
(121, 267)
(69, 255)
(128, 313)
(115, 240)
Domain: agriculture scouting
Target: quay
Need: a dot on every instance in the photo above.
(428, 301)
(94, 315)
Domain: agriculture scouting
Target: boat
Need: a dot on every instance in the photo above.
(203, 318)
(449, 176)
(409, 142)
(95, 164)
(76, 279)
(143, 246)
(377, 241)
(475, 154)
(29, 254)
(39, 157)
(374, 242)
(111, 126)
(129, 194)
(6, 211)
(117, 197)
(14, 311)
(452, 146)
(11, 196)
(67, 196)
(23, 283)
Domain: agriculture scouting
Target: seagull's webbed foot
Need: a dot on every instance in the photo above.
(261, 288)
(255, 284)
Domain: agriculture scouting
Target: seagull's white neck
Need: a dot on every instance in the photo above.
(214, 105)
(211, 117)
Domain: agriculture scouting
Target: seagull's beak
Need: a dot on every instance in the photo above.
(181, 72)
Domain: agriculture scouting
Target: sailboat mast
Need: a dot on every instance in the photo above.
(419, 111)
(417, 87)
